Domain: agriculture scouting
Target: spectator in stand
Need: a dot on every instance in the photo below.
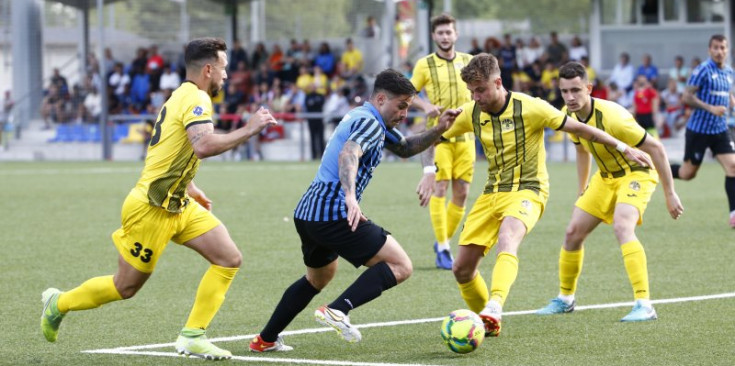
(169, 80)
(577, 50)
(523, 56)
(492, 46)
(599, 90)
(475, 50)
(241, 78)
(260, 56)
(139, 88)
(679, 73)
(507, 52)
(140, 61)
(92, 106)
(60, 82)
(294, 50)
(155, 61)
(694, 63)
(109, 61)
(320, 81)
(52, 106)
(649, 70)
(351, 62)
(307, 54)
(305, 78)
(325, 59)
(118, 79)
(371, 30)
(556, 52)
(535, 51)
(337, 105)
(591, 73)
(673, 109)
(74, 107)
(623, 74)
(314, 103)
(550, 72)
(234, 100)
(264, 75)
(237, 54)
(295, 99)
(646, 105)
(275, 59)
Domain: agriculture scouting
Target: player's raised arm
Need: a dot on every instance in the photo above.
(595, 135)
(206, 143)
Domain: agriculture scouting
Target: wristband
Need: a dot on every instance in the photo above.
(621, 146)
(429, 169)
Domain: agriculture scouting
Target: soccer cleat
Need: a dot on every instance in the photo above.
(556, 306)
(444, 258)
(640, 313)
(339, 321)
(732, 221)
(51, 316)
(201, 347)
(491, 318)
(259, 345)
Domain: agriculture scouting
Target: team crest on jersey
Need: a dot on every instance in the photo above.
(458, 65)
(526, 204)
(634, 185)
(198, 111)
(507, 125)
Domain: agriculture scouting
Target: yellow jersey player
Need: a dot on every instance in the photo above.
(165, 205)
(510, 127)
(453, 160)
(617, 194)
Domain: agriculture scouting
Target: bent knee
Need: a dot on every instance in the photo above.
(402, 271)
(461, 273)
(127, 292)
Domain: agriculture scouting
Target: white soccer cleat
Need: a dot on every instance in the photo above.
(339, 321)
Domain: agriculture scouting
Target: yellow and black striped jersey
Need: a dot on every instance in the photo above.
(513, 141)
(441, 80)
(617, 122)
(171, 164)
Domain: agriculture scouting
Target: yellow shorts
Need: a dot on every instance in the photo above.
(483, 222)
(455, 160)
(602, 194)
(146, 230)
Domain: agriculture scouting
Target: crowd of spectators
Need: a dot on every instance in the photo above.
(304, 79)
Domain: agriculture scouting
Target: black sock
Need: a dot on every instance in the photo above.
(730, 190)
(367, 287)
(675, 170)
(294, 300)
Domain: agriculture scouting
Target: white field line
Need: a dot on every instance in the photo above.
(129, 349)
(301, 361)
(127, 169)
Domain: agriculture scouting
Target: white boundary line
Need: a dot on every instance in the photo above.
(135, 350)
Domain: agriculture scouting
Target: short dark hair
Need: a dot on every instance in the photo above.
(393, 83)
(442, 19)
(718, 38)
(201, 50)
(571, 70)
(480, 68)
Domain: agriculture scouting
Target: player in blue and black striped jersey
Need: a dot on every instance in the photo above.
(331, 224)
(709, 93)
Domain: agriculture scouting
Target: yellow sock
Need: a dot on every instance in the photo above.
(634, 258)
(475, 293)
(89, 295)
(438, 213)
(210, 295)
(570, 266)
(454, 217)
(504, 274)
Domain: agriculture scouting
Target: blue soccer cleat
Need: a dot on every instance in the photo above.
(556, 306)
(444, 258)
(640, 313)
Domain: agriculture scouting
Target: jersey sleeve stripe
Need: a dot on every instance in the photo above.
(198, 123)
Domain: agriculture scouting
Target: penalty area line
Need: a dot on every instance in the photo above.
(134, 350)
(301, 361)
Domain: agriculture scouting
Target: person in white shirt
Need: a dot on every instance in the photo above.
(169, 79)
(680, 73)
(577, 51)
(118, 79)
(623, 74)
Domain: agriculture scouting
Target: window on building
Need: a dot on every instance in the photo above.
(608, 10)
(649, 11)
(671, 10)
(705, 11)
(630, 12)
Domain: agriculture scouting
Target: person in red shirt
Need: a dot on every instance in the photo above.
(646, 103)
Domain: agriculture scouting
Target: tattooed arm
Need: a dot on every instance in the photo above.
(415, 144)
(206, 143)
(349, 159)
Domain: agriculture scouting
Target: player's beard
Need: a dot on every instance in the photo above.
(214, 90)
(439, 46)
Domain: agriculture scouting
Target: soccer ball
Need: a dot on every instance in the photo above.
(462, 331)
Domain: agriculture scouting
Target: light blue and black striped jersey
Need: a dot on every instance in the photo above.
(714, 88)
(324, 200)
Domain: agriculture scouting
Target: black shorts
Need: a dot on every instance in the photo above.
(645, 120)
(323, 241)
(697, 143)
